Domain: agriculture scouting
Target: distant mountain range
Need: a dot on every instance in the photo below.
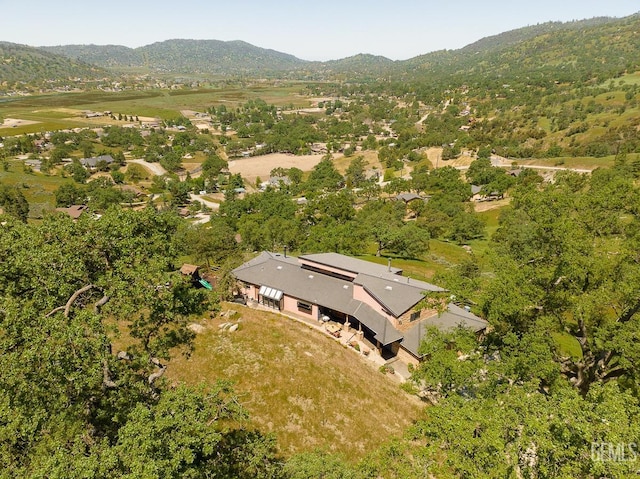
(20, 63)
(586, 46)
(184, 56)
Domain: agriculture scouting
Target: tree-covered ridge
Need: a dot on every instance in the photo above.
(586, 49)
(107, 56)
(21, 63)
(184, 56)
(555, 52)
(509, 38)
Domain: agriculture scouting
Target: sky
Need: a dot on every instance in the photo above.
(310, 30)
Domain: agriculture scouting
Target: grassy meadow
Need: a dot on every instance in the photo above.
(298, 383)
(38, 188)
(65, 110)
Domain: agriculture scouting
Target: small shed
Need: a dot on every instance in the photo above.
(190, 270)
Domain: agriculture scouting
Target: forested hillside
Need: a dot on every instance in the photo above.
(106, 56)
(552, 52)
(24, 64)
(580, 50)
(185, 56)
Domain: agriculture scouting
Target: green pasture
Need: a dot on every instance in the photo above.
(37, 188)
(48, 111)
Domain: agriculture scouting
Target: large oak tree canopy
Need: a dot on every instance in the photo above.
(72, 406)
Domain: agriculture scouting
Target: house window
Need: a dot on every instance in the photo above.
(415, 315)
(305, 307)
(271, 303)
(270, 297)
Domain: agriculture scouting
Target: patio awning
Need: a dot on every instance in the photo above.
(271, 293)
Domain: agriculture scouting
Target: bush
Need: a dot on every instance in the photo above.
(409, 388)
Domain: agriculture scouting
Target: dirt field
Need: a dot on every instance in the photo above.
(490, 205)
(14, 123)
(261, 166)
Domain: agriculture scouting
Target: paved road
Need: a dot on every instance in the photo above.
(506, 163)
(211, 204)
(155, 168)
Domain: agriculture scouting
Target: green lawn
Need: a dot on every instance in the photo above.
(37, 188)
(441, 256)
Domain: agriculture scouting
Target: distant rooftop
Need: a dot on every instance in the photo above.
(348, 263)
(450, 319)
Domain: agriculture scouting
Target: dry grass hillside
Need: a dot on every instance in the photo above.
(300, 384)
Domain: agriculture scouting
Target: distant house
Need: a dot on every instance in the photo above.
(277, 181)
(318, 148)
(372, 174)
(92, 163)
(74, 211)
(408, 197)
(34, 164)
(478, 195)
(374, 299)
(515, 172)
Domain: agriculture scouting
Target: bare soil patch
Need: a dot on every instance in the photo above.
(261, 166)
(490, 205)
(16, 122)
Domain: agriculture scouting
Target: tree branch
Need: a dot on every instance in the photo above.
(628, 314)
(67, 307)
(615, 373)
(73, 298)
(107, 382)
(100, 303)
(158, 374)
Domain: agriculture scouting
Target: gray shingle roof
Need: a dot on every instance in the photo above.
(453, 317)
(93, 162)
(348, 263)
(406, 197)
(396, 293)
(285, 274)
(383, 329)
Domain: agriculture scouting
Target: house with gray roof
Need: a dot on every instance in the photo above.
(92, 163)
(373, 298)
(408, 197)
